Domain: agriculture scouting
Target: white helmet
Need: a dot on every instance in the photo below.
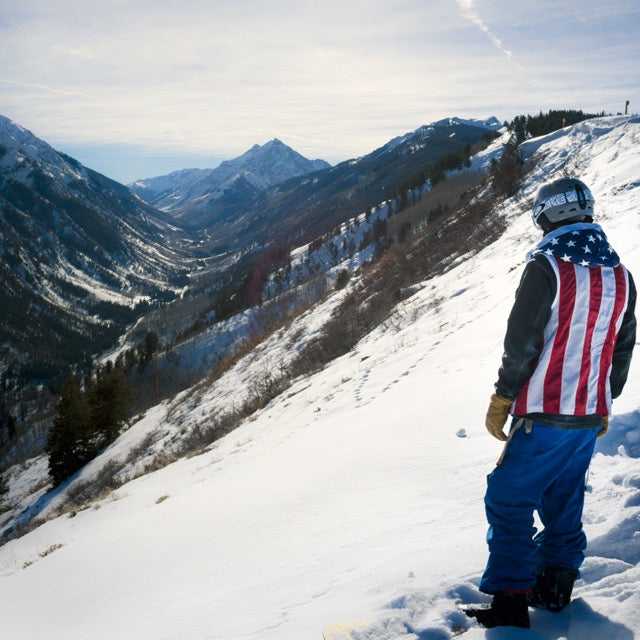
(561, 201)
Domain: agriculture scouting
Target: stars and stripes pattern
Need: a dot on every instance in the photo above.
(572, 373)
(583, 244)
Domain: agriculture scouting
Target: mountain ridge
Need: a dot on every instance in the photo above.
(79, 252)
(245, 191)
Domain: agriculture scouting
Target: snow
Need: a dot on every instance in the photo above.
(357, 494)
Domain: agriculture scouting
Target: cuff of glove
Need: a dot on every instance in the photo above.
(499, 401)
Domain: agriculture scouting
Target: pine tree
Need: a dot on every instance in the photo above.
(11, 426)
(87, 421)
(110, 402)
(147, 348)
(507, 172)
(69, 444)
(4, 488)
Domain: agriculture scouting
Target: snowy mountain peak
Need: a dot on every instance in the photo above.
(450, 125)
(14, 135)
(261, 166)
(20, 150)
(271, 163)
(276, 142)
(492, 123)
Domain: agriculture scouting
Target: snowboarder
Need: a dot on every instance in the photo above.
(567, 352)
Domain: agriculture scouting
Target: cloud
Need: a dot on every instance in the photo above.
(76, 52)
(333, 79)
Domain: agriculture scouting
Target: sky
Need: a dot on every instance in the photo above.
(140, 88)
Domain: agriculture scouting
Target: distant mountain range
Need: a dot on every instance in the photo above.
(302, 208)
(83, 257)
(197, 195)
(271, 194)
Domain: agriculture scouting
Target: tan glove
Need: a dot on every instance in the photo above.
(605, 426)
(497, 415)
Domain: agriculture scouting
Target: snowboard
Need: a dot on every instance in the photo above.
(386, 629)
(397, 630)
(347, 631)
(501, 633)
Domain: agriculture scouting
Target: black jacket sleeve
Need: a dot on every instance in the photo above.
(525, 327)
(625, 342)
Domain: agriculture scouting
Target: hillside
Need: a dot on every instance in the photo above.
(301, 209)
(81, 258)
(354, 495)
(91, 270)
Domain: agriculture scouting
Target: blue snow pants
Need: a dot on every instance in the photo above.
(542, 470)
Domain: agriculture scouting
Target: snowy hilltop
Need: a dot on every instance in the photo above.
(357, 494)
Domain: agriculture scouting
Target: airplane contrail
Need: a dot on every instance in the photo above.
(468, 10)
(45, 88)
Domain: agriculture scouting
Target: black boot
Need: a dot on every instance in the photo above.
(553, 588)
(508, 609)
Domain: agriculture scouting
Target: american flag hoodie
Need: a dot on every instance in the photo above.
(571, 330)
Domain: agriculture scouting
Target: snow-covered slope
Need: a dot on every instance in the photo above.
(357, 495)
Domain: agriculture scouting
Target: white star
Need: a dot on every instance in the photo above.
(571, 243)
(566, 258)
(554, 241)
(591, 239)
(586, 249)
(549, 252)
(584, 263)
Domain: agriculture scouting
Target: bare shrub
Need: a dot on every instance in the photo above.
(80, 496)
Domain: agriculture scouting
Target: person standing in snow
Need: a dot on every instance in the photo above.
(567, 352)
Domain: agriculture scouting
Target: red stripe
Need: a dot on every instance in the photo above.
(607, 352)
(567, 298)
(520, 408)
(595, 300)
